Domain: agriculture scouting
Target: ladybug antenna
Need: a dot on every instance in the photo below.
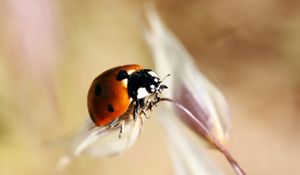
(161, 87)
(165, 78)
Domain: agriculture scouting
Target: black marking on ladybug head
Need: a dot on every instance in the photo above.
(98, 90)
(122, 75)
(110, 108)
(143, 83)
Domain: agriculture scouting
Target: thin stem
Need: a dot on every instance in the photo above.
(209, 136)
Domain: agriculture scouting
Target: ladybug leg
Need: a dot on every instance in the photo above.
(118, 123)
(136, 110)
(121, 128)
(151, 103)
(144, 107)
(142, 103)
(113, 123)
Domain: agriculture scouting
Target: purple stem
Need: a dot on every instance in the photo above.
(210, 137)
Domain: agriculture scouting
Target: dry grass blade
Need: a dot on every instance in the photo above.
(209, 136)
(199, 104)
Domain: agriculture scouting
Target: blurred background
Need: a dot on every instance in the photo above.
(50, 51)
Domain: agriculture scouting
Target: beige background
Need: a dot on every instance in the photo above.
(51, 51)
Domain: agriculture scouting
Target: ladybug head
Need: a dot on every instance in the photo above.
(143, 83)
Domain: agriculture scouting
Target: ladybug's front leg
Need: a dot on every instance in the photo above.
(145, 105)
(139, 104)
(136, 110)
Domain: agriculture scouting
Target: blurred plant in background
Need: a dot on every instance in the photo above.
(47, 62)
(205, 110)
(50, 51)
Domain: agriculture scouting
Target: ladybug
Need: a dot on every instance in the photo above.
(115, 90)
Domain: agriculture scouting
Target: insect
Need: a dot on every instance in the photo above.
(115, 90)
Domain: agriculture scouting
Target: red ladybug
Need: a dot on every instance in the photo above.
(113, 91)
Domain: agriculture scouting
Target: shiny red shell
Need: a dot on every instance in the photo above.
(108, 97)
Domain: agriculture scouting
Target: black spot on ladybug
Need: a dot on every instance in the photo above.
(110, 108)
(122, 75)
(98, 90)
